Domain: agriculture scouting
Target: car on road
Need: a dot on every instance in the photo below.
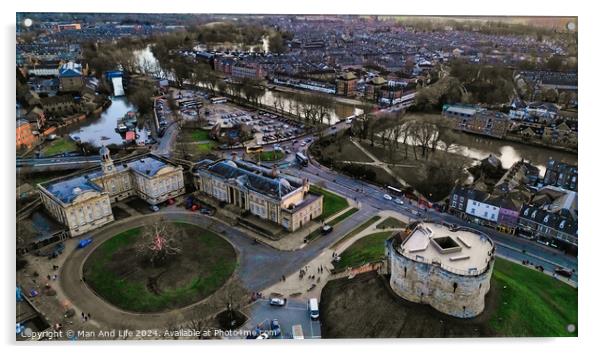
(387, 197)
(333, 127)
(277, 301)
(398, 201)
(276, 330)
(154, 208)
(326, 229)
(287, 151)
(564, 272)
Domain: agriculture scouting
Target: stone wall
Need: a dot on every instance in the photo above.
(454, 294)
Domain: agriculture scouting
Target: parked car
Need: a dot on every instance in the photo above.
(206, 211)
(387, 197)
(276, 330)
(314, 312)
(264, 335)
(398, 201)
(277, 301)
(154, 208)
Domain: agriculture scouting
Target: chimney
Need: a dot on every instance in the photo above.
(234, 156)
(274, 172)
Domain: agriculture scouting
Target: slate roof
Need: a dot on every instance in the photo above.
(252, 177)
(68, 189)
(70, 69)
(147, 166)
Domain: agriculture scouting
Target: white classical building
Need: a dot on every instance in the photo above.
(82, 201)
(267, 194)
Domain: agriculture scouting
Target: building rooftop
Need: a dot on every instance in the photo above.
(70, 69)
(251, 176)
(149, 165)
(68, 189)
(458, 250)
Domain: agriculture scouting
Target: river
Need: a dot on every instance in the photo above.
(472, 146)
(149, 64)
(509, 152)
(100, 130)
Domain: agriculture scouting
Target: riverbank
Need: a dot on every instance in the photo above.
(287, 89)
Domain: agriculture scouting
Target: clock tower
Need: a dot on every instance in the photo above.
(106, 161)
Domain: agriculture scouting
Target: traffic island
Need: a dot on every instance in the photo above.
(159, 267)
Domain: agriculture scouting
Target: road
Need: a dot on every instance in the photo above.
(293, 313)
(371, 200)
(371, 196)
(257, 265)
(58, 163)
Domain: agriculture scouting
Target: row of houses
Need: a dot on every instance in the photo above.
(516, 206)
(477, 120)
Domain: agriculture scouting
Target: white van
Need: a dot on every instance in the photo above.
(314, 313)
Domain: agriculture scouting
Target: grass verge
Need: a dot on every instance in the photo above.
(332, 203)
(365, 250)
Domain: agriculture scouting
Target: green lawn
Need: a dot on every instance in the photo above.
(391, 223)
(343, 216)
(532, 304)
(332, 203)
(358, 229)
(273, 155)
(205, 148)
(219, 260)
(59, 146)
(196, 134)
(367, 249)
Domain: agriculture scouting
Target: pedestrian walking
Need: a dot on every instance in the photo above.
(89, 316)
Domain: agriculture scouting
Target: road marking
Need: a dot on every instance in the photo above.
(304, 308)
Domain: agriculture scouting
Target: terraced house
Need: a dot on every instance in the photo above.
(82, 201)
(551, 217)
(476, 120)
(281, 199)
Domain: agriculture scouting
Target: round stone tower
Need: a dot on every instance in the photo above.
(448, 268)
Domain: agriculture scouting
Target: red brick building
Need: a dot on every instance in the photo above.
(25, 137)
(346, 84)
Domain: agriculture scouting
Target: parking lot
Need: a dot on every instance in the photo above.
(293, 313)
(266, 127)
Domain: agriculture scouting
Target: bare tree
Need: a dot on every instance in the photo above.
(159, 243)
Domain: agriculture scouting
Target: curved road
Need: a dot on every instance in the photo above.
(259, 267)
